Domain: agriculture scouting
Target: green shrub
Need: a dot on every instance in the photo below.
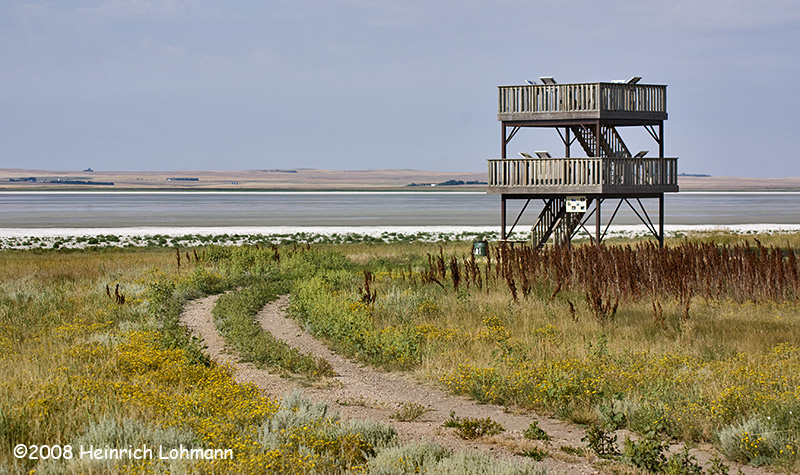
(647, 454)
(570, 450)
(602, 441)
(201, 282)
(534, 432)
(470, 428)
(717, 467)
(683, 464)
(615, 413)
(409, 411)
(534, 453)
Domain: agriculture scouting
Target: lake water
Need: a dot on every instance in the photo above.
(43, 210)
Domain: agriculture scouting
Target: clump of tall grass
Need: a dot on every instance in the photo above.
(297, 413)
(479, 463)
(129, 431)
(415, 457)
(757, 440)
(302, 429)
(125, 433)
(164, 300)
(426, 457)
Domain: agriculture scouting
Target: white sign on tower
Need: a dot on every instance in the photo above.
(576, 204)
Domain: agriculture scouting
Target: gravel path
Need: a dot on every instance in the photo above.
(361, 391)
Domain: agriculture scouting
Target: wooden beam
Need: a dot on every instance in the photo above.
(503, 141)
(598, 202)
(502, 217)
(661, 221)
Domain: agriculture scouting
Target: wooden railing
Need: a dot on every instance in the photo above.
(583, 97)
(580, 172)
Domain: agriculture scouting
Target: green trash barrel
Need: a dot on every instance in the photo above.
(480, 248)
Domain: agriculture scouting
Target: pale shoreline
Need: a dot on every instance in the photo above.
(374, 231)
(76, 238)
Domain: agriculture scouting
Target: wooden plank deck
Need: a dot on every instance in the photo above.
(583, 175)
(583, 101)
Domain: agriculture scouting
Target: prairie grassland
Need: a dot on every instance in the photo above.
(80, 367)
(85, 362)
(699, 342)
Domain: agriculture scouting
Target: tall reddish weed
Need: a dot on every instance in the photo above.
(612, 274)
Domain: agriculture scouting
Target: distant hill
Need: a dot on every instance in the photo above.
(310, 179)
(267, 179)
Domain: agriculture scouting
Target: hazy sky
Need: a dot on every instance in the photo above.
(236, 85)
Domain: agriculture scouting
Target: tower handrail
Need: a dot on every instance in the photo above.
(610, 97)
(592, 171)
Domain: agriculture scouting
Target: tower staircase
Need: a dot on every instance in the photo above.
(554, 221)
(611, 144)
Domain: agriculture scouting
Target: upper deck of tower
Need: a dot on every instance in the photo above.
(609, 101)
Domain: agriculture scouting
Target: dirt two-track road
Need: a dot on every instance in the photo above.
(363, 392)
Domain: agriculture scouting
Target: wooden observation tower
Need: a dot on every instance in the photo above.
(574, 189)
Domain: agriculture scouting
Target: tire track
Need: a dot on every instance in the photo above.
(361, 391)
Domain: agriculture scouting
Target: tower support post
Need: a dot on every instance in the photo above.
(503, 140)
(661, 221)
(502, 217)
(597, 221)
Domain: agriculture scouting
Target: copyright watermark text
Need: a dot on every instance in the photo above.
(131, 452)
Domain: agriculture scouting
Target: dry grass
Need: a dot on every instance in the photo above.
(79, 366)
(685, 351)
(736, 358)
(50, 304)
